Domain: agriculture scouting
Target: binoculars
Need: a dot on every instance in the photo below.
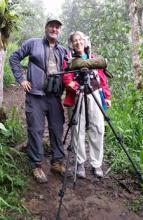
(53, 84)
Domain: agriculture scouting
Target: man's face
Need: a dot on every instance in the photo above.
(52, 30)
(78, 44)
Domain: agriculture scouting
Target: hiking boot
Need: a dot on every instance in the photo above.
(81, 171)
(39, 175)
(58, 167)
(98, 172)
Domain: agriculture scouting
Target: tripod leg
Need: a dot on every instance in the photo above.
(75, 113)
(120, 141)
(78, 108)
(77, 145)
(86, 109)
(73, 122)
(76, 130)
(62, 191)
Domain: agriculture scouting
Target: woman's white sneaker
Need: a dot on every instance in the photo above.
(98, 172)
(81, 171)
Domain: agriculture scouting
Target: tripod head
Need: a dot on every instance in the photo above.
(84, 76)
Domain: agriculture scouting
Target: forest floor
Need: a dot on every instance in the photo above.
(111, 198)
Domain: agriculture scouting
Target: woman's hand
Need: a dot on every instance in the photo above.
(73, 86)
(108, 103)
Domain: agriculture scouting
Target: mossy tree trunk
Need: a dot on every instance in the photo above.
(2, 56)
(135, 34)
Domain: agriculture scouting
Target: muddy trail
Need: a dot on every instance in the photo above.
(91, 199)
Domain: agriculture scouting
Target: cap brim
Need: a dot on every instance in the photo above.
(56, 21)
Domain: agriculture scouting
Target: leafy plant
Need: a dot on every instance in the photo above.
(8, 76)
(136, 204)
(127, 118)
(8, 19)
(14, 132)
(2, 127)
(12, 181)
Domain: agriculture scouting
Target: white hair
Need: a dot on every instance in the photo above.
(87, 43)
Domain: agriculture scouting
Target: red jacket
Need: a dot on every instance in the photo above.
(71, 92)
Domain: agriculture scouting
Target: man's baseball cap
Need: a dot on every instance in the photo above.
(50, 20)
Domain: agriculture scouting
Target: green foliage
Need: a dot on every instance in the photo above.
(8, 76)
(12, 181)
(127, 118)
(141, 51)
(108, 25)
(31, 20)
(136, 205)
(2, 7)
(14, 132)
(141, 162)
(109, 35)
(12, 176)
(8, 20)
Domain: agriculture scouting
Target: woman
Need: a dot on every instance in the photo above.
(79, 46)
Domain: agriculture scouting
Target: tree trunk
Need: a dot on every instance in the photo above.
(135, 42)
(2, 56)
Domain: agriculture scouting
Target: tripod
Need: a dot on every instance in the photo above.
(73, 121)
(84, 86)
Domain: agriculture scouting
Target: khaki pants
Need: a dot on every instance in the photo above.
(95, 133)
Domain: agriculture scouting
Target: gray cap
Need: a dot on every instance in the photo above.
(50, 20)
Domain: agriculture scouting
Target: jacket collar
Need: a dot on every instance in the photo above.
(46, 41)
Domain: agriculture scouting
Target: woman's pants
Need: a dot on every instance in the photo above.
(95, 132)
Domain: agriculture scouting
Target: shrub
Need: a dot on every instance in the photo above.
(127, 119)
(8, 76)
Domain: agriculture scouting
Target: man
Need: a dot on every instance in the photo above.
(43, 92)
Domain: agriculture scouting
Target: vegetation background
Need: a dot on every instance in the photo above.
(116, 32)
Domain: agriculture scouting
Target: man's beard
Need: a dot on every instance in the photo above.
(49, 37)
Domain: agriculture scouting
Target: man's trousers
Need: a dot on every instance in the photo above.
(37, 108)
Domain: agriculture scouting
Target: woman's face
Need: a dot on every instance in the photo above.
(78, 43)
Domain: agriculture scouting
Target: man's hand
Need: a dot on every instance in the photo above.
(108, 103)
(26, 85)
